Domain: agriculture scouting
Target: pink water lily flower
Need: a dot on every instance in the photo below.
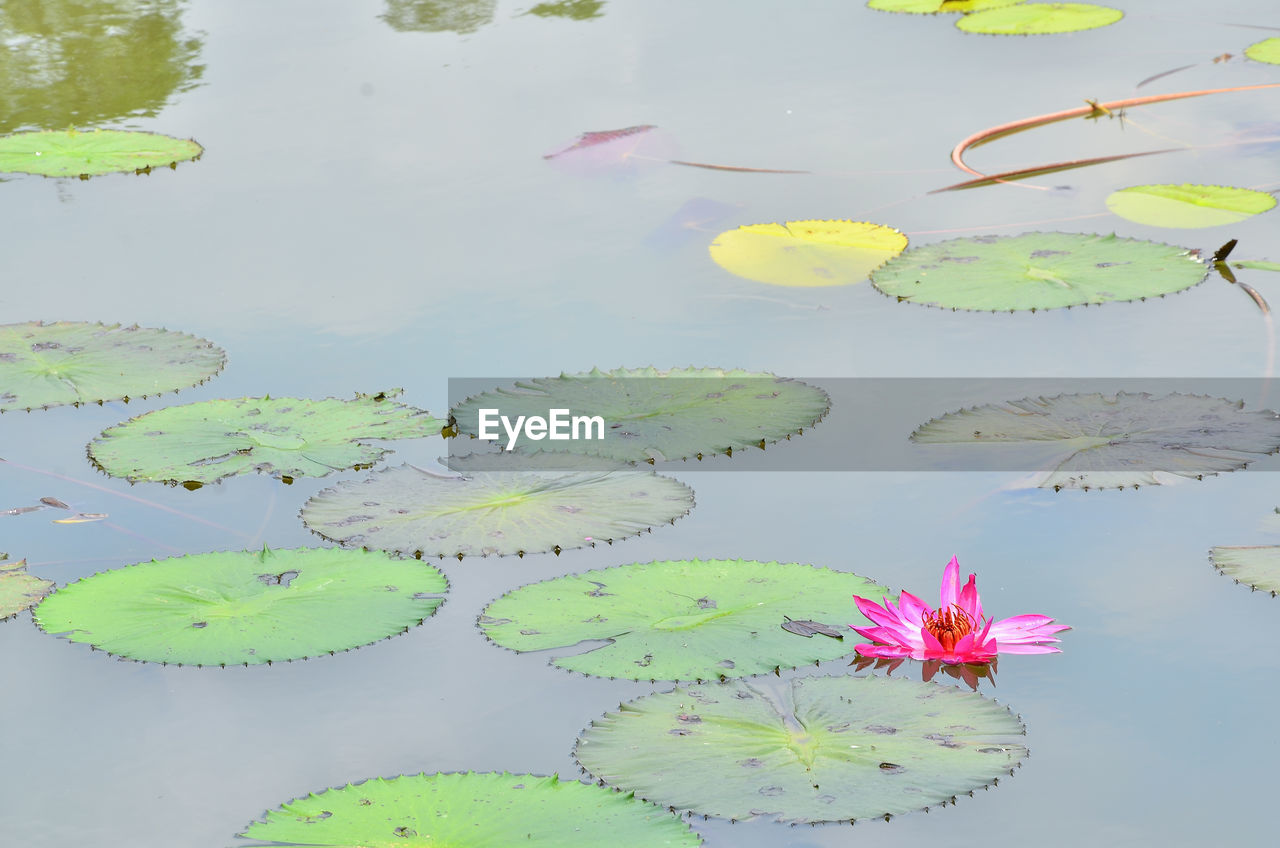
(956, 632)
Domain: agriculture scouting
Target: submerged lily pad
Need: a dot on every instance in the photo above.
(43, 365)
(1257, 265)
(204, 442)
(1039, 19)
(681, 620)
(415, 512)
(18, 589)
(472, 810)
(807, 253)
(1094, 441)
(71, 153)
(1037, 271)
(234, 607)
(933, 7)
(1267, 50)
(1188, 206)
(1256, 566)
(653, 415)
(817, 749)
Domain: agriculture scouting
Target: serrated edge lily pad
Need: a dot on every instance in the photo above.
(934, 7)
(199, 443)
(414, 512)
(1267, 50)
(807, 253)
(1039, 19)
(79, 362)
(478, 809)
(1188, 206)
(813, 749)
(89, 153)
(245, 607)
(1255, 566)
(1028, 272)
(681, 619)
(18, 589)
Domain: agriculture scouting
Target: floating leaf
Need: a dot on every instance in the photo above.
(1093, 441)
(653, 415)
(681, 620)
(70, 153)
(414, 512)
(1188, 206)
(1257, 566)
(18, 589)
(472, 810)
(234, 607)
(208, 441)
(1039, 19)
(1037, 271)
(818, 749)
(43, 365)
(1257, 265)
(933, 7)
(807, 253)
(615, 150)
(1267, 50)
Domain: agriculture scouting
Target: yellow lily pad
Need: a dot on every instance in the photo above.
(1188, 206)
(807, 253)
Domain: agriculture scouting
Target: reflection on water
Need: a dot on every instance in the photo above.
(579, 10)
(82, 63)
(460, 16)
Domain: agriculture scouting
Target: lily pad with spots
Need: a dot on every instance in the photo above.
(807, 253)
(651, 415)
(1095, 441)
(815, 749)
(1039, 19)
(419, 513)
(1188, 206)
(1037, 271)
(472, 810)
(205, 442)
(245, 607)
(1256, 566)
(73, 153)
(44, 365)
(682, 620)
(19, 589)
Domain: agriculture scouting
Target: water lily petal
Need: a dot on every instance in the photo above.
(912, 608)
(1029, 649)
(887, 651)
(969, 600)
(950, 584)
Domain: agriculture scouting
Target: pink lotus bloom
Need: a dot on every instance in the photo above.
(955, 632)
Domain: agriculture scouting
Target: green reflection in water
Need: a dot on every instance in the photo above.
(460, 16)
(579, 10)
(82, 63)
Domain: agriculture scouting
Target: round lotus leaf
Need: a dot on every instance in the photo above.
(1037, 271)
(931, 7)
(1188, 206)
(472, 810)
(1257, 567)
(204, 442)
(43, 365)
(1039, 19)
(652, 415)
(814, 749)
(1267, 50)
(245, 607)
(1095, 441)
(682, 620)
(18, 589)
(72, 153)
(414, 512)
(807, 253)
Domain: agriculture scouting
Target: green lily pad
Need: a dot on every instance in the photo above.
(653, 415)
(1094, 441)
(807, 253)
(1257, 265)
(18, 589)
(1039, 19)
(72, 153)
(204, 442)
(682, 620)
(1188, 206)
(933, 7)
(1267, 50)
(472, 810)
(414, 512)
(242, 607)
(816, 749)
(44, 365)
(1257, 566)
(1037, 271)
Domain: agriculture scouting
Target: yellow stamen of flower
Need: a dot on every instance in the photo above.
(948, 626)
